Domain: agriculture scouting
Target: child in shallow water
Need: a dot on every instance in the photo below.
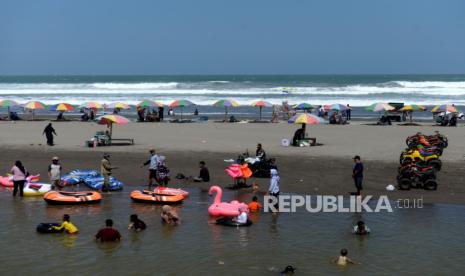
(343, 259)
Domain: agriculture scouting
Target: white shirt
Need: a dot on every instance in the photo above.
(153, 162)
(274, 182)
(242, 218)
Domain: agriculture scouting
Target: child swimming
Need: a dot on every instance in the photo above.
(343, 259)
(361, 229)
(67, 225)
(254, 206)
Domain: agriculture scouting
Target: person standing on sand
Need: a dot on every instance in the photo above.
(357, 174)
(49, 131)
(19, 178)
(106, 170)
(153, 161)
(348, 111)
(54, 173)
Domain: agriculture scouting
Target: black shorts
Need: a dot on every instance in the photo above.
(152, 174)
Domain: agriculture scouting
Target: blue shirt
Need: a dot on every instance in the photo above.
(358, 170)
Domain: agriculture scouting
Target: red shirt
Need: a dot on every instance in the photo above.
(108, 234)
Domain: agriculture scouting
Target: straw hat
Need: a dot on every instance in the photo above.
(55, 158)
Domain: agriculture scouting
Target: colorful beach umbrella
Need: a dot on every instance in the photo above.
(118, 105)
(444, 108)
(91, 105)
(181, 104)
(33, 105)
(379, 107)
(226, 104)
(149, 103)
(303, 106)
(111, 119)
(338, 107)
(305, 119)
(413, 107)
(8, 104)
(62, 107)
(261, 104)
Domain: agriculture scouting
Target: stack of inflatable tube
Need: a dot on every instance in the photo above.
(48, 228)
(151, 197)
(170, 191)
(36, 189)
(85, 197)
(92, 179)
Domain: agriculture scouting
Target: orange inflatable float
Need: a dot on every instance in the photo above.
(151, 197)
(85, 197)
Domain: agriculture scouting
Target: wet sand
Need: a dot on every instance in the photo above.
(317, 170)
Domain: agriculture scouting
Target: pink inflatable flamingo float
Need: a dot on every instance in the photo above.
(224, 209)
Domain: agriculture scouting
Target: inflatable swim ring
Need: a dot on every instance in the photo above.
(86, 197)
(170, 191)
(229, 222)
(36, 189)
(151, 197)
(48, 228)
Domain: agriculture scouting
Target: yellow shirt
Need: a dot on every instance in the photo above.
(69, 227)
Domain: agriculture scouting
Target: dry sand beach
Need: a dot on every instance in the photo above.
(323, 169)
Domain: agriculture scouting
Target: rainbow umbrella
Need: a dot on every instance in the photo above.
(378, 107)
(91, 105)
(444, 108)
(181, 104)
(303, 106)
(118, 105)
(305, 119)
(411, 108)
(149, 103)
(61, 107)
(33, 105)
(338, 107)
(261, 104)
(8, 104)
(226, 104)
(111, 119)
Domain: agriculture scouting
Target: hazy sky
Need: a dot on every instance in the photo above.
(235, 36)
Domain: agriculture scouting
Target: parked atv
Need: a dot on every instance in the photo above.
(436, 140)
(417, 176)
(414, 156)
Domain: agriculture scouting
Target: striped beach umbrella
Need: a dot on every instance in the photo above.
(261, 104)
(444, 108)
(111, 119)
(226, 104)
(338, 107)
(33, 105)
(305, 119)
(181, 104)
(411, 108)
(91, 105)
(8, 104)
(118, 105)
(303, 106)
(149, 103)
(379, 107)
(62, 107)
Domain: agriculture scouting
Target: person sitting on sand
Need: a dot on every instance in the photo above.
(108, 234)
(254, 206)
(67, 225)
(299, 134)
(169, 216)
(136, 223)
(343, 259)
(204, 174)
(361, 229)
